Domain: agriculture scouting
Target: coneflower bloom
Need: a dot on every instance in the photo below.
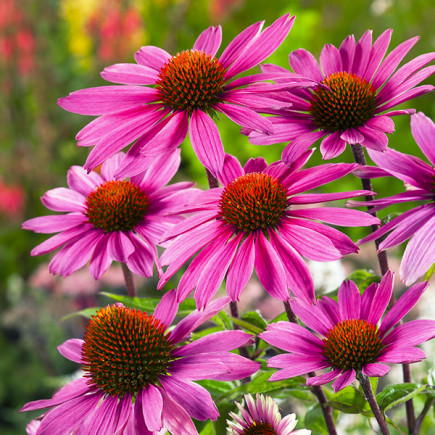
(262, 416)
(138, 373)
(166, 96)
(352, 103)
(252, 222)
(353, 338)
(109, 219)
(418, 224)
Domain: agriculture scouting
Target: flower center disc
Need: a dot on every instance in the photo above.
(259, 428)
(191, 79)
(253, 201)
(125, 350)
(117, 205)
(349, 102)
(352, 344)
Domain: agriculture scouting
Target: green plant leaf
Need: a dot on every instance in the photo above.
(246, 326)
(87, 312)
(217, 388)
(255, 318)
(350, 400)
(314, 420)
(396, 394)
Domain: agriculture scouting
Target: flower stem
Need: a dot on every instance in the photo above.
(316, 389)
(212, 180)
(128, 278)
(367, 388)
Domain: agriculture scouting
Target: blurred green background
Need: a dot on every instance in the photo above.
(49, 48)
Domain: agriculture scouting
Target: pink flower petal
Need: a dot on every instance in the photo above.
(298, 146)
(332, 146)
(423, 130)
(130, 74)
(349, 301)
(152, 407)
(209, 41)
(72, 350)
(64, 200)
(54, 223)
(167, 308)
(330, 60)
(377, 53)
(305, 64)
(78, 179)
(344, 380)
(375, 370)
(347, 52)
(119, 246)
(362, 53)
(231, 170)
(152, 57)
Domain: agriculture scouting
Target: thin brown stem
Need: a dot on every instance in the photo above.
(316, 389)
(128, 278)
(419, 421)
(212, 180)
(368, 391)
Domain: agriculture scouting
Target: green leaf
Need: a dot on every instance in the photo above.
(397, 394)
(350, 400)
(361, 277)
(246, 326)
(314, 420)
(260, 384)
(87, 312)
(279, 318)
(208, 429)
(429, 273)
(217, 388)
(220, 425)
(256, 319)
(149, 304)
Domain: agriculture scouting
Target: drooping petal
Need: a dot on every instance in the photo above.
(152, 407)
(344, 380)
(72, 350)
(423, 130)
(152, 57)
(167, 308)
(375, 370)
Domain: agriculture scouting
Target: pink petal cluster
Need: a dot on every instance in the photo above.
(364, 62)
(81, 407)
(306, 351)
(82, 242)
(134, 111)
(275, 252)
(418, 223)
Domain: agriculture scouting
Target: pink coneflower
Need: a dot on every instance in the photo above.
(181, 93)
(352, 341)
(419, 222)
(136, 369)
(262, 416)
(109, 219)
(251, 222)
(352, 103)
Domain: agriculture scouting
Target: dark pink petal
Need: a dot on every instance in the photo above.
(419, 253)
(76, 388)
(311, 317)
(392, 61)
(152, 407)
(401, 355)
(293, 338)
(377, 53)
(141, 261)
(411, 333)
(100, 260)
(167, 308)
(330, 60)
(109, 167)
(362, 53)
(209, 41)
(220, 366)
(299, 145)
(107, 99)
(239, 44)
(352, 136)
(405, 96)
(281, 133)
(262, 46)
(367, 301)
(332, 146)
(167, 135)
(217, 342)
(241, 268)
(423, 130)
(152, 57)
(72, 350)
(78, 179)
(254, 101)
(64, 200)
(382, 122)
(285, 360)
(130, 74)
(325, 378)
(196, 318)
(347, 52)
(119, 246)
(68, 417)
(381, 298)
(375, 370)
(344, 380)
(257, 164)
(195, 399)
(75, 254)
(139, 426)
(175, 418)
(231, 170)
(296, 366)
(54, 223)
(246, 117)
(305, 64)
(214, 272)
(349, 302)
(325, 197)
(309, 243)
(402, 307)
(337, 216)
(206, 142)
(269, 268)
(159, 173)
(329, 308)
